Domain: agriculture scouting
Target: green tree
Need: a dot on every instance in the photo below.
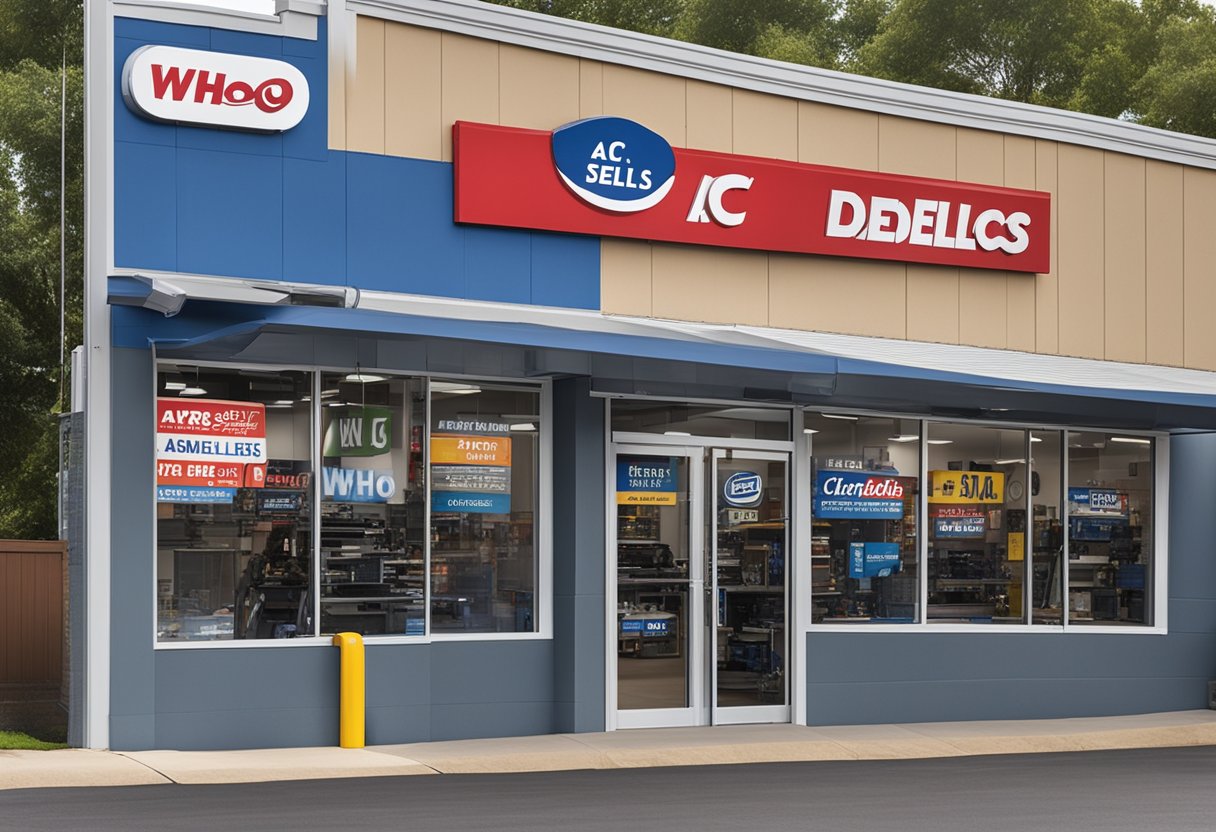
(801, 31)
(36, 36)
(1178, 92)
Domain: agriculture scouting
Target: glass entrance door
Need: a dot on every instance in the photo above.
(659, 630)
(701, 547)
(747, 558)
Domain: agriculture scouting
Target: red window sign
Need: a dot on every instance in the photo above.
(210, 443)
(574, 181)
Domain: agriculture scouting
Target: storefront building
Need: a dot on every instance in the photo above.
(602, 381)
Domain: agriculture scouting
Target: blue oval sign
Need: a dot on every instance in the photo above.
(743, 489)
(613, 163)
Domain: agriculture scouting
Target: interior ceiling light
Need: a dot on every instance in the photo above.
(1035, 439)
(676, 433)
(325, 394)
(192, 391)
(809, 431)
(903, 437)
(523, 426)
(454, 388)
(839, 416)
(940, 441)
(1008, 462)
(175, 385)
(1131, 440)
(365, 378)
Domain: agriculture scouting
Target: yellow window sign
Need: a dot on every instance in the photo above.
(966, 487)
(645, 498)
(470, 450)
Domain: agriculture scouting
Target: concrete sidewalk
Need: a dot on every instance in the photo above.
(619, 749)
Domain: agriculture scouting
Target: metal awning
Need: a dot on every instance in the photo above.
(255, 320)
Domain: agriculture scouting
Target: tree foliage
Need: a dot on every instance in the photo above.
(1152, 61)
(36, 38)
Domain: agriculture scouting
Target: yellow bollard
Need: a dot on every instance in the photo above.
(351, 690)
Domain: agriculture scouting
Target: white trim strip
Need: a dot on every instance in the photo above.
(584, 40)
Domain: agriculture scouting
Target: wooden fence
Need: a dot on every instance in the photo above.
(32, 611)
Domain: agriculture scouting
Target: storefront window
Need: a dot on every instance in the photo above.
(484, 469)
(680, 419)
(373, 510)
(863, 539)
(233, 504)
(976, 522)
(1047, 536)
(1110, 528)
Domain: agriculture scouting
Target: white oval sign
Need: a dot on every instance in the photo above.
(237, 92)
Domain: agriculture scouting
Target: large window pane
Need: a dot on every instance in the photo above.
(976, 524)
(1047, 537)
(373, 510)
(1110, 528)
(234, 504)
(863, 544)
(485, 453)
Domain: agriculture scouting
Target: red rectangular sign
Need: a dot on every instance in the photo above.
(507, 176)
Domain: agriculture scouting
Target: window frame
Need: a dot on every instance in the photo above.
(542, 530)
(1159, 567)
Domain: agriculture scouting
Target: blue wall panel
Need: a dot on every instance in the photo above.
(247, 205)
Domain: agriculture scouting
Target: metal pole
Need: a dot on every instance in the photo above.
(63, 177)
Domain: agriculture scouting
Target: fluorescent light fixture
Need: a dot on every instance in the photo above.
(335, 404)
(1131, 440)
(283, 402)
(305, 398)
(1035, 439)
(676, 433)
(903, 437)
(454, 388)
(192, 391)
(1008, 462)
(940, 441)
(523, 426)
(328, 394)
(809, 431)
(839, 416)
(175, 385)
(365, 378)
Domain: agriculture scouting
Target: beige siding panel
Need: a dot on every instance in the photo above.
(982, 311)
(1080, 199)
(765, 125)
(1046, 287)
(1019, 311)
(693, 283)
(858, 297)
(1124, 256)
(915, 148)
(537, 89)
(412, 81)
(709, 116)
(654, 100)
(837, 136)
(1163, 260)
(1019, 288)
(1019, 163)
(981, 156)
(365, 97)
(1199, 268)
(933, 304)
(625, 277)
(470, 83)
(590, 89)
(983, 315)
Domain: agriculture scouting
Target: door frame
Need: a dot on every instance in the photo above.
(704, 688)
(697, 710)
(747, 714)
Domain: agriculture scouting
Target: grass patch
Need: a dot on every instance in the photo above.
(17, 741)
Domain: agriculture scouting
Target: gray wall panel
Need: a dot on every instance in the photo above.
(578, 544)
(398, 674)
(276, 725)
(391, 725)
(491, 719)
(132, 693)
(247, 678)
(481, 673)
